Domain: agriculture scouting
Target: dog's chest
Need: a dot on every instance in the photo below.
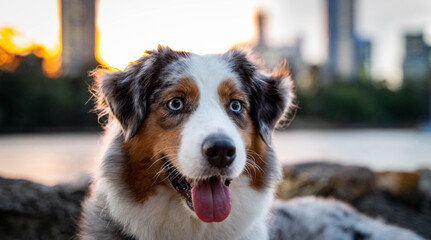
(165, 215)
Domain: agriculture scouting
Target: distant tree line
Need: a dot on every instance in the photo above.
(30, 101)
(365, 103)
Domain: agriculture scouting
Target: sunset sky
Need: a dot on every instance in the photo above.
(129, 28)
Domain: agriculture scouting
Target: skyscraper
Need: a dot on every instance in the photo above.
(341, 31)
(363, 49)
(417, 59)
(78, 35)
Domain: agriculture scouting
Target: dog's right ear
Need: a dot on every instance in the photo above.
(123, 94)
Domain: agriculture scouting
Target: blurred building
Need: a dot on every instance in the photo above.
(273, 55)
(417, 59)
(363, 58)
(341, 55)
(349, 57)
(78, 35)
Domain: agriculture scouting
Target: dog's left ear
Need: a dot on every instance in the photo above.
(275, 97)
(270, 95)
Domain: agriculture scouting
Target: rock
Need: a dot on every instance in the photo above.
(397, 183)
(425, 182)
(400, 198)
(395, 210)
(402, 186)
(33, 211)
(347, 183)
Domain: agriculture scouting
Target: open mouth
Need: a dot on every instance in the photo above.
(210, 198)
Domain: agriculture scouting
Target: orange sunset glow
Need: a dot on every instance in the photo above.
(13, 42)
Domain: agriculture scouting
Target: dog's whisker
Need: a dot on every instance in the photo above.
(164, 149)
(161, 157)
(162, 170)
(252, 164)
(249, 151)
(252, 167)
(255, 165)
(257, 168)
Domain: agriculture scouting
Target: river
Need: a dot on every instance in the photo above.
(59, 158)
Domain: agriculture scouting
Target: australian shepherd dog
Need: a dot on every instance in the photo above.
(188, 156)
(188, 152)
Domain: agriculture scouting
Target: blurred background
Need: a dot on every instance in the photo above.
(362, 70)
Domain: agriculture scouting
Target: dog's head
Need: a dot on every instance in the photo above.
(195, 123)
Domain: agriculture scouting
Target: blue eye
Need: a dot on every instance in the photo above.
(235, 106)
(175, 104)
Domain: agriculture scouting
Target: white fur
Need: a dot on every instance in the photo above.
(163, 216)
(209, 118)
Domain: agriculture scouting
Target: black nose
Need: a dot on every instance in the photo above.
(219, 150)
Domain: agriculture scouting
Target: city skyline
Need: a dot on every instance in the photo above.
(120, 41)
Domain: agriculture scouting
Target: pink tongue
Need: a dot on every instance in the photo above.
(212, 200)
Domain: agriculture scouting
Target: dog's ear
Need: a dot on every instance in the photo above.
(124, 94)
(118, 94)
(270, 95)
(275, 98)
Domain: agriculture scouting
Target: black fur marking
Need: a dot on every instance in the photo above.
(333, 215)
(356, 234)
(178, 181)
(360, 235)
(265, 94)
(286, 214)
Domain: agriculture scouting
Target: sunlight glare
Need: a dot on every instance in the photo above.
(212, 29)
(13, 42)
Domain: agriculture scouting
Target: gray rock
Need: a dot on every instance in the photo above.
(412, 213)
(33, 211)
(347, 183)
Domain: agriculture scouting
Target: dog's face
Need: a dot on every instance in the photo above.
(195, 123)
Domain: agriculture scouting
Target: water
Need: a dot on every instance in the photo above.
(57, 158)
(49, 158)
(402, 150)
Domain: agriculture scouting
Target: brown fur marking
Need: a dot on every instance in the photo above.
(256, 155)
(227, 91)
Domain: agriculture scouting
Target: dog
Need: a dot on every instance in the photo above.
(188, 156)
(188, 152)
